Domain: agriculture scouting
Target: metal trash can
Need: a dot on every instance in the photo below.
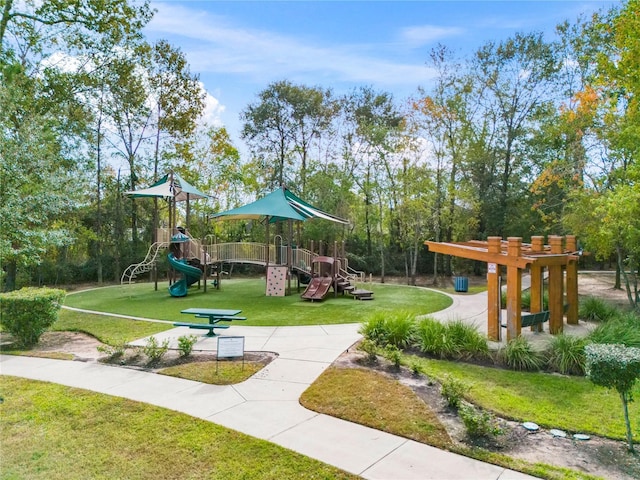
(460, 284)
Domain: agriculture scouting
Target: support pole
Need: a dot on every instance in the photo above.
(572, 282)
(537, 281)
(514, 291)
(556, 288)
(336, 268)
(493, 291)
(290, 257)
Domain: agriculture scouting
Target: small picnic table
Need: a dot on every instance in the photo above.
(214, 315)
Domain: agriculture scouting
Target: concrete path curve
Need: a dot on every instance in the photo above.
(266, 406)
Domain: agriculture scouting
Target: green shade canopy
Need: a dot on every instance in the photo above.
(171, 185)
(279, 205)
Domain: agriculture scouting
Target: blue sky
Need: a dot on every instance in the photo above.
(239, 47)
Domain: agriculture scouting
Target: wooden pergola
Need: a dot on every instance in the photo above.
(516, 256)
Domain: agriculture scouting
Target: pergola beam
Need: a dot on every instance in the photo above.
(477, 253)
(517, 256)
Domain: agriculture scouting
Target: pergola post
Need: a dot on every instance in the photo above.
(514, 290)
(556, 288)
(493, 292)
(537, 281)
(572, 282)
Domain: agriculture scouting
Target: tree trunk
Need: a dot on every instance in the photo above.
(627, 285)
(414, 263)
(367, 204)
(10, 279)
(625, 406)
(99, 206)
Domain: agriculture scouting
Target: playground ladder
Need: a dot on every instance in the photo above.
(132, 271)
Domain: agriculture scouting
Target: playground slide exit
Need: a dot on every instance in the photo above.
(190, 275)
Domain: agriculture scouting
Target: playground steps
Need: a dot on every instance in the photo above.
(345, 286)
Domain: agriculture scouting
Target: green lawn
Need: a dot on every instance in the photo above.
(248, 295)
(55, 432)
(107, 329)
(552, 401)
(369, 398)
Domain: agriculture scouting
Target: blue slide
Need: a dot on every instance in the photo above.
(190, 275)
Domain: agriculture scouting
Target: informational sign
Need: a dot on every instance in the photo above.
(492, 268)
(229, 347)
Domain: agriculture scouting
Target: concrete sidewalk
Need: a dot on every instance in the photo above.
(266, 406)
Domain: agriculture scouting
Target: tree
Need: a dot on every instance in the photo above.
(45, 60)
(179, 102)
(177, 95)
(442, 122)
(515, 79)
(370, 134)
(80, 24)
(616, 367)
(130, 114)
(36, 184)
(282, 127)
(612, 190)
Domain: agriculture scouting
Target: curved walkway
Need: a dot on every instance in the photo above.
(266, 406)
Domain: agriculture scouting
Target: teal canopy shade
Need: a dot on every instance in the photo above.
(171, 185)
(279, 205)
(180, 238)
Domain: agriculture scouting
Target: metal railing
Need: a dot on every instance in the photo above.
(135, 269)
(246, 252)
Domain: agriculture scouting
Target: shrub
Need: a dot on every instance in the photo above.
(27, 313)
(566, 354)
(479, 423)
(519, 355)
(620, 329)
(596, 310)
(370, 348)
(416, 367)
(185, 344)
(154, 351)
(399, 329)
(112, 351)
(617, 367)
(452, 389)
(525, 299)
(373, 329)
(394, 355)
(389, 329)
(464, 341)
(452, 340)
(430, 337)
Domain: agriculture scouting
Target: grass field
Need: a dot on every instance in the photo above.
(372, 399)
(553, 401)
(248, 295)
(55, 432)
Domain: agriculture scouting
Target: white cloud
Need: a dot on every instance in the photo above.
(216, 46)
(212, 110)
(419, 36)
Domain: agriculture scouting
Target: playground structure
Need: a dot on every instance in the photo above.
(190, 275)
(191, 250)
(327, 272)
(297, 261)
(281, 261)
(560, 261)
(211, 257)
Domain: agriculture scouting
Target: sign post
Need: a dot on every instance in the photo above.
(230, 347)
